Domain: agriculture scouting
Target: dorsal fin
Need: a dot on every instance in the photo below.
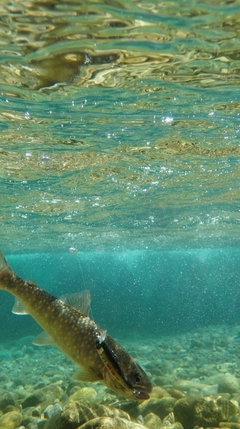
(80, 301)
(3, 264)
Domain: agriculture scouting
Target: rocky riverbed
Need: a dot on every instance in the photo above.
(196, 378)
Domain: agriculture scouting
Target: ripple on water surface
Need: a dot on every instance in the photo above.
(119, 124)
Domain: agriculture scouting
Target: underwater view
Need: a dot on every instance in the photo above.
(120, 214)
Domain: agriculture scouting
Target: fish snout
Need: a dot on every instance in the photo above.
(141, 394)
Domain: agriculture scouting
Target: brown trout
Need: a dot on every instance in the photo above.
(66, 324)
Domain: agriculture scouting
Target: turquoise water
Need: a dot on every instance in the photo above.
(119, 159)
(137, 293)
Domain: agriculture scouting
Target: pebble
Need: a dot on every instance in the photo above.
(161, 407)
(210, 390)
(52, 411)
(10, 420)
(152, 421)
(175, 393)
(7, 399)
(196, 411)
(159, 392)
(229, 384)
(203, 363)
(32, 422)
(72, 415)
(87, 394)
(111, 423)
(187, 385)
(43, 395)
(229, 425)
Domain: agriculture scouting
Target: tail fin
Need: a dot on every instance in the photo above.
(5, 272)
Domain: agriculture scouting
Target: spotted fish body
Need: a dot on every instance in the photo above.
(99, 356)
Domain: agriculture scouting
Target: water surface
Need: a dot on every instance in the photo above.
(119, 125)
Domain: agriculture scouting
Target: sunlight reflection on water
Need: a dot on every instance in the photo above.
(119, 125)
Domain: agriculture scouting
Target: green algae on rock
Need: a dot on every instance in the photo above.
(161, 407)
(10, 420)
(76, 413)
(72, 415)
(87, 394)
(111, 423)
(7, 400)
(196, 411)
(44, 396)
(152, 421)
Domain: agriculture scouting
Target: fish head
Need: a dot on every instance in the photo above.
(122, 373)
(140, 382)
(133, 384)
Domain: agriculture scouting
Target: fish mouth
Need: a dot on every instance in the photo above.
(140, 394)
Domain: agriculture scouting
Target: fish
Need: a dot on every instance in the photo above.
(66, 324)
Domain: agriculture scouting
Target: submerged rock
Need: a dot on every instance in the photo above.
(7, 400)
(104, 411)
(161, 407)
(111, 423)
(229, 425)
(47, 394)
(228, 384)
(235, 418)
(75, 414)
(129, 407)
(52, 411)
(86, 394)
(152, 421)
(196, 411)
(159, 392)
(72, 416)
(188, 411)
(10, 420)
(176, 425)
(210, 390)
(227, 408)
(164, 380)
(187, 385)
(169, 419)
(33, 422)
(175, 393)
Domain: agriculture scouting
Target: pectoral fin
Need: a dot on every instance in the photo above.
(86, 375)
(43, 339)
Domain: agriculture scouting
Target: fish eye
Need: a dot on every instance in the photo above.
(137, 378)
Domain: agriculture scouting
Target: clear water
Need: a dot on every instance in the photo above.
(119, 158)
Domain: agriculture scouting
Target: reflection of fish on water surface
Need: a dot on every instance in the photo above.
(66, 324)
